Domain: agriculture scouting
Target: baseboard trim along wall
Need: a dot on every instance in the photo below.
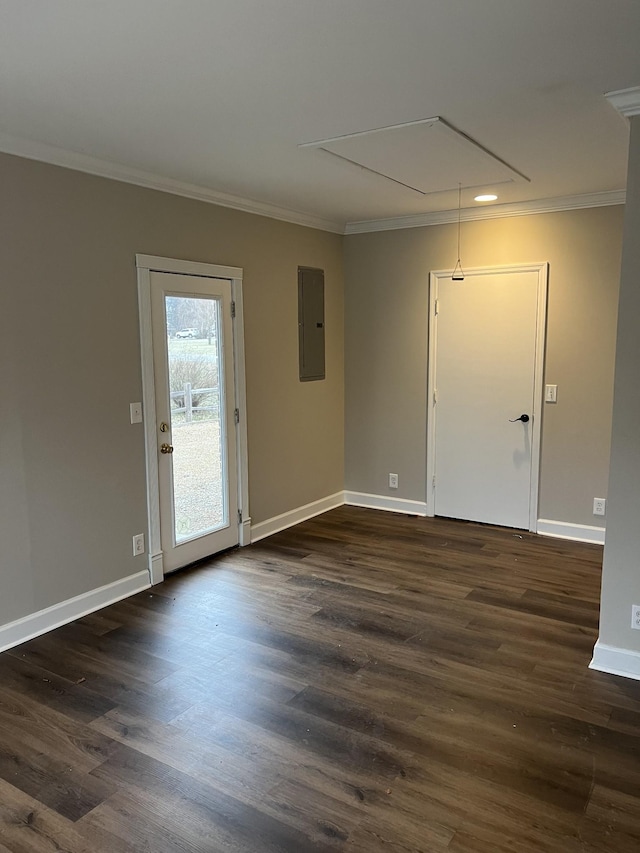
(388, 504)
(616, 661)
(46, 620)
(295, 516)
(576, 532)
(605, 658)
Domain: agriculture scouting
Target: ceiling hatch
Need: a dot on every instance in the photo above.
(426, 156)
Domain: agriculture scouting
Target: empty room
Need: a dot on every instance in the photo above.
(319, 445)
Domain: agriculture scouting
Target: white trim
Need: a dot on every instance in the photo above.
(295, 516)
(145, 265)
(616, 661)
(494, 211)
(156, 568)
(244, 531)
(154, 263)
(538, 393)
(432, 347)
(626, 101)
(102, 168)
(386, 503)
(575, 532)
(542, 270)
(155, 559)
(318, 143)
(46, 620)
(117, 172)
(44, 153)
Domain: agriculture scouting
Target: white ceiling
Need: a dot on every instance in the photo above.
(220, 94)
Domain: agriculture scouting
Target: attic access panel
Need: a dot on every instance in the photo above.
(426, 156)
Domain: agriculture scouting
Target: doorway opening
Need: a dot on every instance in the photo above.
(194, 410)
(486, 359)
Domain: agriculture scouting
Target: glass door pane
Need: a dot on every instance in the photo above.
(197, 410)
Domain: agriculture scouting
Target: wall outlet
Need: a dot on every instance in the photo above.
(138, 544)
(599, 506)
(393, 481)
(635, 616)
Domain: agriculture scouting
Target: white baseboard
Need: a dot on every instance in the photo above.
(386, 503)
(244, 532)
(14, 633)
(576, 532)
(295, 516)
(616, 661)
(156, 567)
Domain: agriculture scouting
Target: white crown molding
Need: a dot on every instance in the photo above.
(104, 169)
(93, 166)
(496, 211)
(626, 101)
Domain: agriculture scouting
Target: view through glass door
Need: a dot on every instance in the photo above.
(195, 408)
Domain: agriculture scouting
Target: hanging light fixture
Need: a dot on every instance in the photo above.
(458, 275)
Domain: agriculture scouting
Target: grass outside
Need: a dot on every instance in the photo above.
(198, 347)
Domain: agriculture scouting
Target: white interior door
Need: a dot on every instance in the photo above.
(193, 365)
(487, 349)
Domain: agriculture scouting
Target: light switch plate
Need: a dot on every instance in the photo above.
(551, 394)
(135, 410)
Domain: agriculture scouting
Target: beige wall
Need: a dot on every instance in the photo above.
(72, 488)
(386, 305)
(621, 569)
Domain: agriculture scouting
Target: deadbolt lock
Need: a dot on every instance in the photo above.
(164, 427)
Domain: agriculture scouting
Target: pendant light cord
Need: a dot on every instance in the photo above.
(458, 274)
(459, 204)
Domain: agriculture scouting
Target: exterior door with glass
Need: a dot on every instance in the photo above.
(193, 361)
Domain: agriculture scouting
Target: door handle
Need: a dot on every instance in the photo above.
(523, 418)
(166, 448)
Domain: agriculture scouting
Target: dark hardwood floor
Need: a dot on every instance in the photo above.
(364, 682)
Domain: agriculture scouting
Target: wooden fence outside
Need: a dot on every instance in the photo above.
(187, 407)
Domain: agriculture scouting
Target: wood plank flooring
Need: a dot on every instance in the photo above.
(363, 682)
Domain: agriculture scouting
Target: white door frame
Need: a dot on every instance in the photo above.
(146, 264)
(542, 270)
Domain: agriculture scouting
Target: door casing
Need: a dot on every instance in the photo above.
(146, 264)
(542, 271)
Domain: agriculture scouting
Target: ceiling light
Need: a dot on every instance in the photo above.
(486, 197)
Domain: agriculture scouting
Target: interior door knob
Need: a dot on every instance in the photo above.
(523, 418)
(166, 448)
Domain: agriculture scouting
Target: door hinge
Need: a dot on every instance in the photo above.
(433, 482)
(233, 310)
(236, 415)
(436, 307)
(435, 396)
(239, 516)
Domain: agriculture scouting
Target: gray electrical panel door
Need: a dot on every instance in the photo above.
(311, 323)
